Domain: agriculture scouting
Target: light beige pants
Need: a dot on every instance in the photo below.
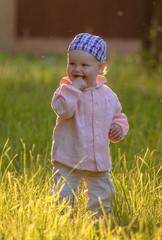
(97, 184)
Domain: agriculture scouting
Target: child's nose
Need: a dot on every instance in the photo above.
(77, 68)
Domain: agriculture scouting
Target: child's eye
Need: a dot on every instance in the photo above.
(84, 65)
(71, 63)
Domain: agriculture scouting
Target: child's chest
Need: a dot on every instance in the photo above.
(97, 105)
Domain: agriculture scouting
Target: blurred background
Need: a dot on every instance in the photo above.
(40, 27)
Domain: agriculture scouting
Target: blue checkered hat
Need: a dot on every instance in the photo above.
(90, 43)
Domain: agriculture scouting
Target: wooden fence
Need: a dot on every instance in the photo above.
(38, 26)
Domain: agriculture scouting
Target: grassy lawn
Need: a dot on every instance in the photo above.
(26, 125)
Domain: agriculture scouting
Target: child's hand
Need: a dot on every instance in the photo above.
(79, 83)
(115, 133)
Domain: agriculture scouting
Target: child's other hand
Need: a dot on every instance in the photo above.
(79, 83)
(115, 133)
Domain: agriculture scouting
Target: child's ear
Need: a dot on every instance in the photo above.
(102, 67)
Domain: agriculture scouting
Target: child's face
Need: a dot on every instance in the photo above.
(82, 64)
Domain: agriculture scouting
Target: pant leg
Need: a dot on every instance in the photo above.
(64, 182)
(99, 185)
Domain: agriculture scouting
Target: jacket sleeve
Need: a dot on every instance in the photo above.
(64, 101)
(121, 120)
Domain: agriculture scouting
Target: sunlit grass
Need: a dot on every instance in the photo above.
(27, 211)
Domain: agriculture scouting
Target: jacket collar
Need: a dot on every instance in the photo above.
(99, 81)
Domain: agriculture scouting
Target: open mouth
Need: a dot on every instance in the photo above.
(79, 76)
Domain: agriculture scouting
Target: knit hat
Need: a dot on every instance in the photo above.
(90, 43)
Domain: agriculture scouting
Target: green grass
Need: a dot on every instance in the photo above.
(26, 125)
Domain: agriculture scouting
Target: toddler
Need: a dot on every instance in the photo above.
(88, 116)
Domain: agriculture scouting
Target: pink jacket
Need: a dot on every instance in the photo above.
(84, 118)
